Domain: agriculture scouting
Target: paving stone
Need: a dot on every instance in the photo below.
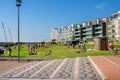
(66, 71)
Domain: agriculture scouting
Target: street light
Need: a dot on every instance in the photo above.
(18, 4)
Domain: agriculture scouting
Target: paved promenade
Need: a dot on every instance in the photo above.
(81, 68)
(109, 66)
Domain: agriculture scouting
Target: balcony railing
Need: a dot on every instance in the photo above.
(77, 31)
(99, 35)
(111, 25)
(77, 34)
(77, 38)
(87, 37)
(88, 29)
(98, 32)
(99, 27)
(111, 30)
(87, 33)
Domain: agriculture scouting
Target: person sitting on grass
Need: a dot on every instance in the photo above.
(49, 53)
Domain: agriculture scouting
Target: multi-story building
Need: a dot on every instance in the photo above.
(56, 34)
(110, 32)
(68, 32)
(106, 27)
(63, 34)
(116, 24)
(78, 32)
(89, 30)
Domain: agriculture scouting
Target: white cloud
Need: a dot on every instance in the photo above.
(101, 6)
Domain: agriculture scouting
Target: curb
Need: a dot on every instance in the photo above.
(98, 70)
(25, 59)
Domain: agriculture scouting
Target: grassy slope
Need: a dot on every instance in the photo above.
(57, 52)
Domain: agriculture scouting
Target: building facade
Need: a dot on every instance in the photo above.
(106, 27)
(56, 34)
(116, 24)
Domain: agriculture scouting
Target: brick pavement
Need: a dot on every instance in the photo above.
(62, 69)
(109, 65)
(6, 66)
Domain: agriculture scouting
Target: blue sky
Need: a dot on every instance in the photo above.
(37, 17)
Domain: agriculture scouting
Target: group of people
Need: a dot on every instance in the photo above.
(32, 49)
(3, 49)
(81, 46)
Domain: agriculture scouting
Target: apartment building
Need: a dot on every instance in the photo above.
(116, 24)
(89, 30)
(106, 27)
(63, 34)
(78, 32)
(56, 34)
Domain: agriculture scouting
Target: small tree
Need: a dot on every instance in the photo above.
(53, 40)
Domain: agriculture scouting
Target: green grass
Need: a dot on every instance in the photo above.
(57, 52)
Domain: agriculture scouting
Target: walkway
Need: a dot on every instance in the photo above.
(80, 68)
(109, 66)
(58, 69)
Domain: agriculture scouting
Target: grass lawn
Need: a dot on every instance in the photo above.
(57, 52)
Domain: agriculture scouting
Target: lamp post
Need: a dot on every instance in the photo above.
(18, 4)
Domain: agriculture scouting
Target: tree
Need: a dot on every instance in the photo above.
(53, 40)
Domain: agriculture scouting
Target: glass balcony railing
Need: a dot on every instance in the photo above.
(98, 32)
(99, 27)
(77, 31)
(88, 33)
(111, 25)
(87, 29)
(99, 35)
(88, 37)
(114, 19)
(111, 30)
(77, 38)
(111, 36)
(77, 34)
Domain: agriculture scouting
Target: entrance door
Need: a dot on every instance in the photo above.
(102, 46)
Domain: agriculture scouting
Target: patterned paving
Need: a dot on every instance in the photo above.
(57, 69)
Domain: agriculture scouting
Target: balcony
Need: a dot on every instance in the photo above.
(99, 35)
(114, 19)
(98, 32)
(111, 25)
(77, 38)
(99, 27)
(77, 34)
(111, 31)
(87, 33)
(77, 31)
(87, 37)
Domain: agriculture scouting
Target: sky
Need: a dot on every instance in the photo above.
(38, 17)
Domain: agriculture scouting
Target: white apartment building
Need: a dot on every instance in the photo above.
(116, 22)
(63, 34)
(56, 34)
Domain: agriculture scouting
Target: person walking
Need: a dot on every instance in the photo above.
(111, 47)
(9, 51)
